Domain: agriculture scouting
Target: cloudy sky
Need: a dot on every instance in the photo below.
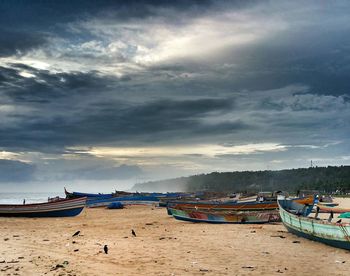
(95, 95)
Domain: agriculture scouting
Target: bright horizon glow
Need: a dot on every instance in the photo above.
(168, 151)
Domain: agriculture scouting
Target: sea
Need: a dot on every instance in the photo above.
(31, 197)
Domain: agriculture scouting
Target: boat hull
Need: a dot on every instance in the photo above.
(235, 206)
(60, 208)
(248, 206)
(328, 204)
(62, 213)
(216, 222)
(226, 218)
(335, 243)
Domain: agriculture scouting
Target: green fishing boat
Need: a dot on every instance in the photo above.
(296, 221)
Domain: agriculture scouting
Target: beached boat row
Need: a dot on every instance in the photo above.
(122, 194)
(125, 198)
(293, 212)
(76, 201)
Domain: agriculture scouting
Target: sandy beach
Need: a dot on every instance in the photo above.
(162, 246)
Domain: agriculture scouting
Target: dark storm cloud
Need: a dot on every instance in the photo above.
(322, 62)
(7, 75)
(46, 87)
(15, 171)
(19, 42)
(153, 121)
(49, 13)
(30, 25)
(150, 73)
(71, 123)
(297, 102)
(306, 57)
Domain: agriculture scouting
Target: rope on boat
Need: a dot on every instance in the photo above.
(345, 232)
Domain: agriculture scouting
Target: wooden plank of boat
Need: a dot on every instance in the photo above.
(334, 234)
(59, 208)
(240, 217)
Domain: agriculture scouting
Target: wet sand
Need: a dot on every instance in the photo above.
(163, 246)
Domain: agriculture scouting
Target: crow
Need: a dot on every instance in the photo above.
(105, 249)
(76, 233)
(133, 232)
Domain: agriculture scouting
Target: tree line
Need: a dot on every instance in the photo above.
(329, 179)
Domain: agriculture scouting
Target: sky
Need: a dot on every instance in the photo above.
(99, 95)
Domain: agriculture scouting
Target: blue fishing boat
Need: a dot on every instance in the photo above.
(90, 195)
(123, 193)
(58, 208)
(126, 200)
(296, 221)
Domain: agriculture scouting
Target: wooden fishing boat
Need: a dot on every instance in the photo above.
(328, 204)
(233, 206)
(58, 208)
(99, 195)
(325, 231)
(326, 199)
(228, 217)
(335, 210)
(225, 205)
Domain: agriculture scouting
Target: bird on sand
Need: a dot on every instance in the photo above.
(105, 249)
(133, 232)
(76, 233)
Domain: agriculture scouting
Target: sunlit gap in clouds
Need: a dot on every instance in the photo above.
(9, 155)
(119, 48)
